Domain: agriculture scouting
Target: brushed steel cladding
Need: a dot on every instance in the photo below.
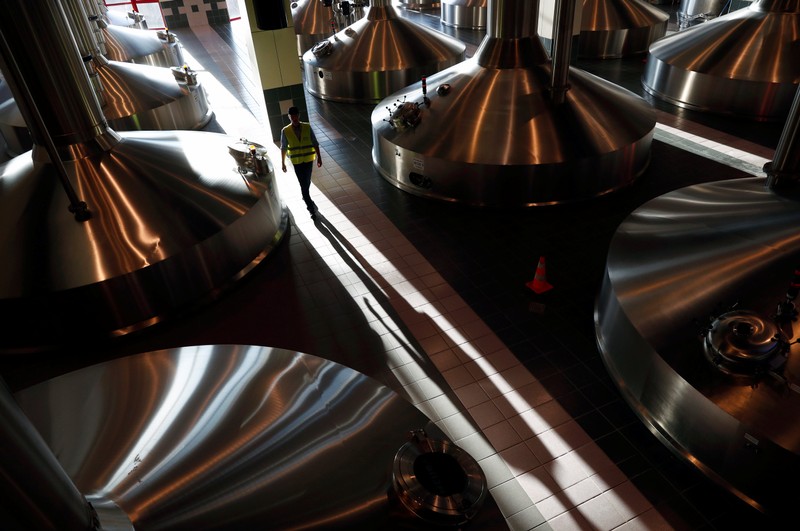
(617, 28)
(509, 145)
(378, 55)
(743, 63)
(469, 14)
(172, 221)
(233, 437)
(672, 265)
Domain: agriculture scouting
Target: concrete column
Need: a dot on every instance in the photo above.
(279, 70)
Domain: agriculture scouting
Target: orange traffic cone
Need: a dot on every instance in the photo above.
(539, 283)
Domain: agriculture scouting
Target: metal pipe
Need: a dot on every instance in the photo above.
(512, 19)
(21, 87)
(61, 91)
(511, 40)
(37, 492)
(79, 22)
(785, 166)
(96, 24)
(87, 43)
(562, 49)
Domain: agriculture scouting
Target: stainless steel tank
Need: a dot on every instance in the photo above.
(685, 326)
(743, 63)
(104, 233)
(692, 12)
(127, 19)
(347, 12)
(697, 322)
(133, 97)
(617, 28)
(124, 44)
(136, 97)
(491, 130)
(220, 437)
(469, 14)
(420, 5)
(312, 23)
(376, 56)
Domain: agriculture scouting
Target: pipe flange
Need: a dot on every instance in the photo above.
(743, 342)
(438, 481)
(322, 48)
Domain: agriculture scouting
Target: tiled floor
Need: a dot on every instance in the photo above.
(430, 299)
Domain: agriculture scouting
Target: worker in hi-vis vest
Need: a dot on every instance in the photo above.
(299, 142)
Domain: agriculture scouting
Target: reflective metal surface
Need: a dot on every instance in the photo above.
(692, 12)
(376, 56)
(692, 283)
(616, 28)
(141, 97)
(743, 63)
(105, 232)
(36, 492)
(312, 23)
(233, 437)
(438, 481)
(13, 129)
(173, 221)
(137, 46)
(347, 12)
(464, 13)
(487, 132)
(138, 97)
(421, 5)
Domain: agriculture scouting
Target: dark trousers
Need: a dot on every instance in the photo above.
(303, 171)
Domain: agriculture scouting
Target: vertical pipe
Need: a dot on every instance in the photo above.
(53, 73)
(512, 19)
(381, 10)
(785, 166)
(87, 44)
(36, 491)
(79, 22)
(562, 49)
(96, 23)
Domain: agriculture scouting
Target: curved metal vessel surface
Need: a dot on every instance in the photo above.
(129, 45)
(107, 232)
(671, 265)
(131, 264)
(488, 133)
(312, 23)
(698, 7)
(420, 5)
(140, 97)
(692, 12)
(616, 28)
(377, 55)
(13, 128)
(470, 14)
(233, 437)
(743, 63)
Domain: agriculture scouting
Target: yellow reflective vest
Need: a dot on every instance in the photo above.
(299, 149)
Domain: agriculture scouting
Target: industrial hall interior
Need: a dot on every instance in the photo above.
(399, 264)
